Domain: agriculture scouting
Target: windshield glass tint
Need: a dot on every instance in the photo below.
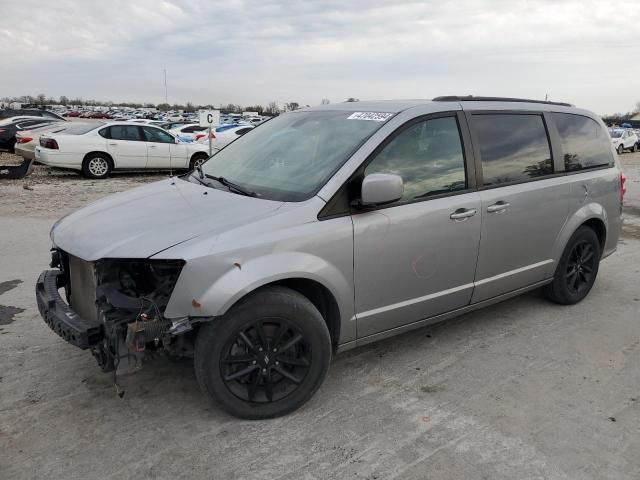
(290, 157)
(615, 133)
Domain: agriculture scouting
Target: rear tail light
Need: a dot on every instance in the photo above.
(23, 139)
(623, 187)
(199, 136)
(48, 143)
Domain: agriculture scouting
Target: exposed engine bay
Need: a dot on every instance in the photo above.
(128, 298)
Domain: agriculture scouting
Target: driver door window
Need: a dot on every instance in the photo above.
(428, 156)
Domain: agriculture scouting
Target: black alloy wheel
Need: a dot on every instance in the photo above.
(266, 361)
(577, 269)
(266, 356)
(580, 267)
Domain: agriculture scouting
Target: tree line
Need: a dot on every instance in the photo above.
(621, 117)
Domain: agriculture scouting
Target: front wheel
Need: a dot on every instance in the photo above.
(266, 357)
(197, 160)
(620, 149)
(577, 270)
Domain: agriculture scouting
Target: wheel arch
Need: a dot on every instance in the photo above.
(320, 282)
(322, 299)
(592, 215)
(598, 226)
(314, 291)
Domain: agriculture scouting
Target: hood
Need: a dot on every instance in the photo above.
(144, 221)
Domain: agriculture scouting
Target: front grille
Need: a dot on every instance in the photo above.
(82, 287)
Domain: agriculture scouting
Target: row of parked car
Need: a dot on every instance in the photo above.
(98, 148)
(170, 116)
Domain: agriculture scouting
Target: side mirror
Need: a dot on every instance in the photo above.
(381, 188)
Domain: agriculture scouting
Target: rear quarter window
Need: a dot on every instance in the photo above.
(513, 147)
(585, 144)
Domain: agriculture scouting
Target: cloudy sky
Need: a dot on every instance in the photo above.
(240, 51)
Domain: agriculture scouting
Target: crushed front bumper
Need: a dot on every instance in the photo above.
(78, 331)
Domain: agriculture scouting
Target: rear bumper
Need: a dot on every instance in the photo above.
(60, 317)
(24, 153)
(53, 158)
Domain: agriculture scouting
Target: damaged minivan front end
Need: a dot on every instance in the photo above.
(113, 307)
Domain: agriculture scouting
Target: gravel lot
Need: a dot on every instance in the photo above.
(520, 390)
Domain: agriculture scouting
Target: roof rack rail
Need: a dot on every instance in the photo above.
(471, 98)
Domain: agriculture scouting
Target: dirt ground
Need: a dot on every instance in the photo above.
(520, 390)
(49, 193)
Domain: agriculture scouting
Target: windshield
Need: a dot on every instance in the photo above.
(615, 133)
(290, 157)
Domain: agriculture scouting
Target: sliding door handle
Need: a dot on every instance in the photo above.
(498, 207)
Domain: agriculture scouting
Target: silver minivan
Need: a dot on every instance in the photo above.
(331, 227)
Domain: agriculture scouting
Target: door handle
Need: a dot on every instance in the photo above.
(113, 144)
(152, 146)
(463, 213)
(498, 207)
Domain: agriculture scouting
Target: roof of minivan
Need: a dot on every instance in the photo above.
(490, 103)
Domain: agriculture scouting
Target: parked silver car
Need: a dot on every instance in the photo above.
(332, 227)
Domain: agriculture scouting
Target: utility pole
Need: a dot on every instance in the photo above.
(165, 87)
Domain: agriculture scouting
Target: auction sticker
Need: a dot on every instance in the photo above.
(375, 116)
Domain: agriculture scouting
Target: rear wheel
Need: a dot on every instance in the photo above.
(97, 165)
(620, 149)
(197, 160)
(577, 270)
(266, 357)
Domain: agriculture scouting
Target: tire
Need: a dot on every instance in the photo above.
(635, 148)
(97, 165)
(285, 333)
(198, 159)
(620, 149)
(577, 270)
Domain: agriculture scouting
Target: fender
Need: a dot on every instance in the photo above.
(240, 278)
(584, 213)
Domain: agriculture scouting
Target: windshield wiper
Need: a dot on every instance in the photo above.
(200, 176)
(232, 186)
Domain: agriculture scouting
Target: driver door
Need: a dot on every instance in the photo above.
(416, 258)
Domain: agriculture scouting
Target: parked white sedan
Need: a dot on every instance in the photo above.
(191, 130)
(118, 146)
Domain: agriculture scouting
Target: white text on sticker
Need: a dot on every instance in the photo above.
(375, 116)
